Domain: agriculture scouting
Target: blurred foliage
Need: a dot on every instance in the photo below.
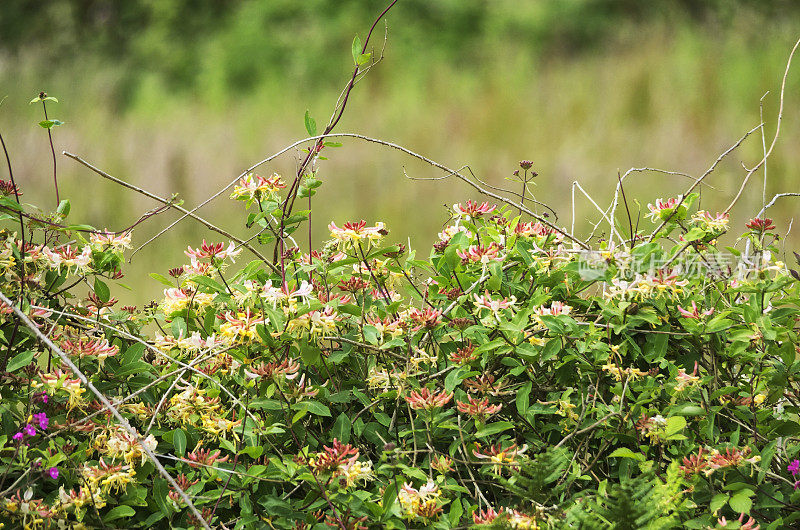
(238, 44)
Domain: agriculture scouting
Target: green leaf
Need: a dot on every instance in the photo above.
(205, 281)
(741, 501)
(179, 441)
(311, 125)
(161, 278)
(363, 59)
(64, 208)
(179, 328)
(456, 511)
(119, 512)
(10, 203)
(160, 492)
(20, 360)
(49, 124)
(718, 501)
(313, 407)
(675, 424)
(694, 234)
(341, 428)
(253, 451)
(494, 428)
(101, 290)
(523, 397)
(624, 452)
(356, 49)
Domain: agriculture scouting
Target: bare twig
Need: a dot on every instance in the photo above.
(169, 203)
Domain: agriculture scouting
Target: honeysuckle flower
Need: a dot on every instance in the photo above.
(198, 268)
(479, 254)
(685, 380)
(472, 209)
(485, 384)
(484, 516)
(58, 380)
(759, 225)
(743, 525)
(205, 457)
(183, 483)
(394, 327)
(110, 240)
(495, 306)
(663, 209)
(464, 355)
(287, 369)
(213, 251)
(382, 378)
(619, 373)
(442, 464)
(254, 186)
(716, 223)
(538, 230)
(500, 457)
(424, 318)
(242, 326)
(108, 478)
(695, 313)
(333, 456)
(176, 300)
(117, 443)
(69, 257)
(353, 233)
(427, 400)
(478, 408)
(99, 349)
(317, 322)
(422, 502)
(556, 308)
(447, 234)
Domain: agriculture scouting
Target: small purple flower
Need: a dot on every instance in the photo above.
(53, 472)
(17, 437)
(29, 430)
(41, 417)
(794, 467)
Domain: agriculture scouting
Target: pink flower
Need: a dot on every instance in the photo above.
(760, 225)
(484, 516)
(664, 209)
(355, 232)
(213, 251)
(29, 430)
(486, 302)
(478, 408)
(42, 419)
(481, 254)
(427, 400)
(695, 313)
(53, 472)
(794, 467)
(472, 209)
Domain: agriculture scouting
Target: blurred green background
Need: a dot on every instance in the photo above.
(179, 96)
